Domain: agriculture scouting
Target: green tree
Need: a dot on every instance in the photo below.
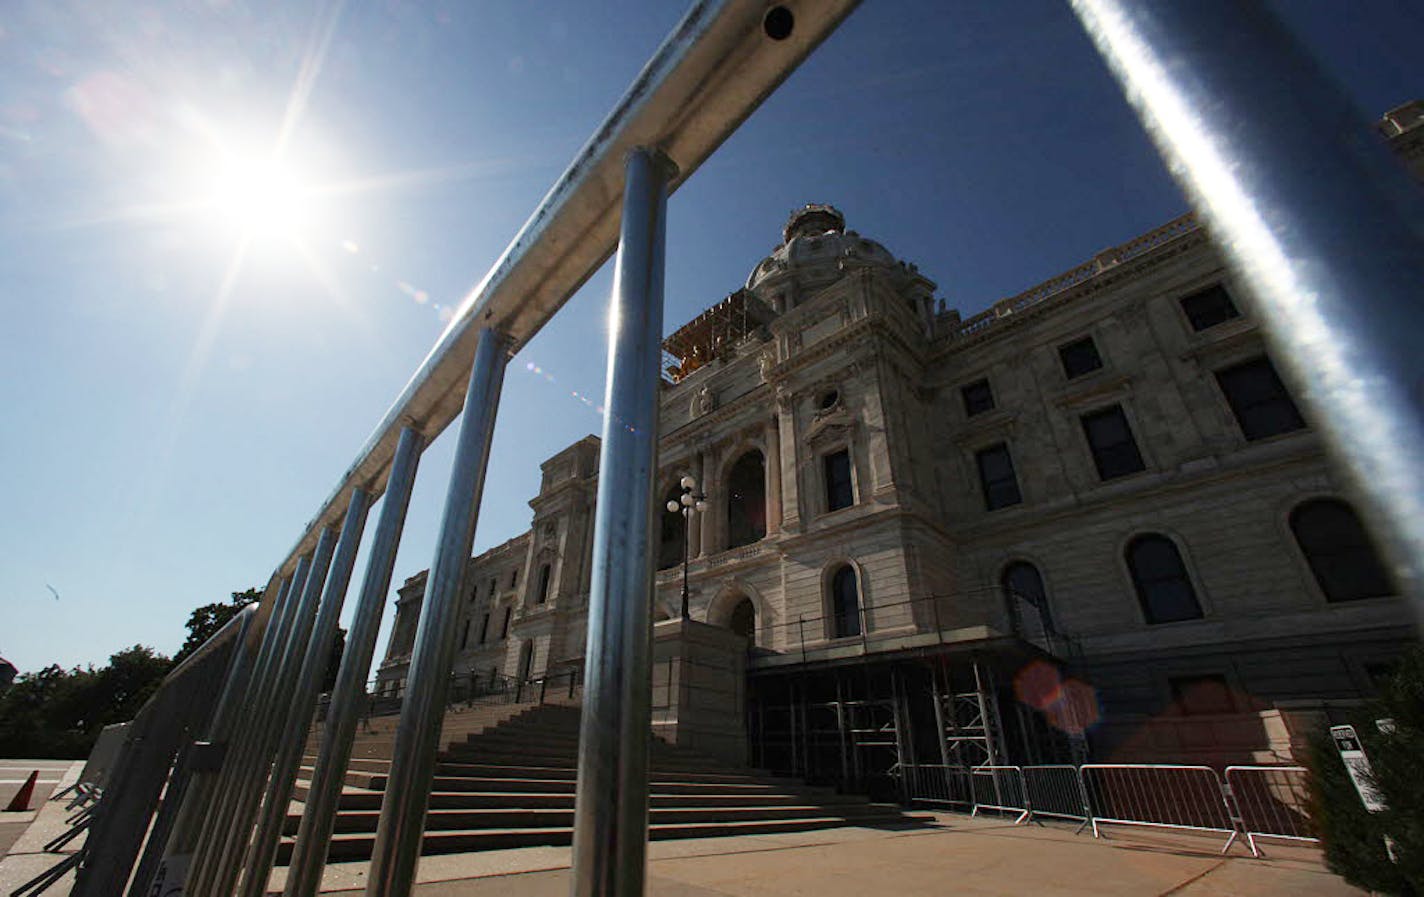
(59, 713)
(204, 622)
(1354, 837)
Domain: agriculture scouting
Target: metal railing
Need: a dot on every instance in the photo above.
(1270, 802)
(1246, 802)
(1206, 79)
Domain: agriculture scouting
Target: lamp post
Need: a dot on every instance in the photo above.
(691, 502)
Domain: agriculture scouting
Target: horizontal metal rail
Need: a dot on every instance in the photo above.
(713, 71)
(1270, 802)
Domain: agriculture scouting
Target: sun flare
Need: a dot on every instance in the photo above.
(261, 197)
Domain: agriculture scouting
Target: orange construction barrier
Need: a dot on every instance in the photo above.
(21, 800)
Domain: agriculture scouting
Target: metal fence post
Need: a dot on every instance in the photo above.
(272, 712)
(397, 849)
(293, 735)
(611, 809)
(348, 698)
(1247, 123)
(234, 785)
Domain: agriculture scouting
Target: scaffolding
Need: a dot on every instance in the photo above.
(714, 334)
(858, 725)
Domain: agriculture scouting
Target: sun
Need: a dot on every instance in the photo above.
(261, 197)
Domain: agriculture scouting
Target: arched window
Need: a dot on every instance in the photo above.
(1163, 586)
(1339, 551)
(743, 619)
(845, 603)
(1024, 593)
(746, 500)
(671, 531)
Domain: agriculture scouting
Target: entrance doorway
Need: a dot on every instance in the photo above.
(743, 620)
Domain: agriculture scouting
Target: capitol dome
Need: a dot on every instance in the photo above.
(815, 245)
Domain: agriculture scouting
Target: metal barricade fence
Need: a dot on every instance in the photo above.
(1270, 802)
(999, 788)
(1057, 790)
(935, 784)
(1158, 795)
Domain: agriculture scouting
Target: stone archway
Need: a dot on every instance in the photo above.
(739, 607)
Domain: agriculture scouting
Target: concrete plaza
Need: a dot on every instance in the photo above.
(956, 855)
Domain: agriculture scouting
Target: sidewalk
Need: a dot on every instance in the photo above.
(962, 857)
(23, 835)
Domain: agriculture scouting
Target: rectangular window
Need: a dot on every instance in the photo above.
(840, 493)
(978, 398)
(494, 587)
(544, 574)
(1201, 695)
(484, 629)
(514, 577)
(1080, 357)
(1110, 438)
(504, 630)
(1208, 308)
(1259, 399)
(996, 475)
(465, 636)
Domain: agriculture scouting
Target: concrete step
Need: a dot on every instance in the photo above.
(439, 820)
(457, 800)
(358, 846)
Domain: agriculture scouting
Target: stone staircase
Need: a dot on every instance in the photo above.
(506, 778)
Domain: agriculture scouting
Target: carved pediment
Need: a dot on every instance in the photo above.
(831, 425)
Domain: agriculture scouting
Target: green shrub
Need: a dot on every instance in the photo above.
(1353, 837)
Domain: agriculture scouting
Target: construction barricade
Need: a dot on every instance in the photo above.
(1270, 802)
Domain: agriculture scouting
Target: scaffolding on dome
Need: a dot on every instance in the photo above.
(713, 334)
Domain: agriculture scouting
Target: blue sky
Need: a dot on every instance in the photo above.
(172, 414)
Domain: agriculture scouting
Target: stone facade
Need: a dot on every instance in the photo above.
(878, 473)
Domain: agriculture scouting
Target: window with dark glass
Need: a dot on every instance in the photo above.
(504, 630)
(1209, 307)
(672, 529)
(746, 500)
(1110, 438)
(514, 577)
(1080, 357)
(978, 398)
(543, 594)
(1201, 695)
(494, 587)
(1023, 587)
(996, 476)
(839, 491)
(484, 629)
(1163, 587)
(845, 604)
(1339, 551)
(1259, 399)
(465, 636)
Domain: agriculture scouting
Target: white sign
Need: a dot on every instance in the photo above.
(1357, 765)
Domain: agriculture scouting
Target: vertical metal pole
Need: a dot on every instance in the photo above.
(202, 792)
(611, 812)
(348, 699)
(240, 759)
(1323, 229)
(273, 709)
(402, 826)
(293, 735)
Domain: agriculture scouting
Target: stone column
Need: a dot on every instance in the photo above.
(773, 474)
(790, 482)
(709, 487)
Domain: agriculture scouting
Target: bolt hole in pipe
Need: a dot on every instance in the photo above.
(778, 23)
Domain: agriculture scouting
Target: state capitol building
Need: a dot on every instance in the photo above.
(1091, 521)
